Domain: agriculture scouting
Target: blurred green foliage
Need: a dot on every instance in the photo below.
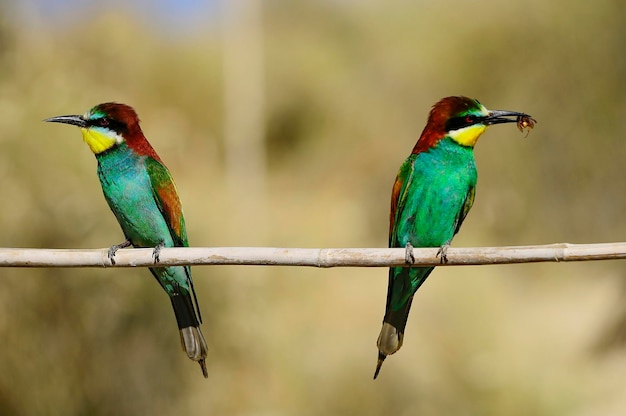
(348, 88)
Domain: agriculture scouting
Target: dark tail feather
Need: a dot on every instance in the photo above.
(193, 292)
(394, 322)
(392, 333)
(191, 337)
(379, 364)
(399, 318)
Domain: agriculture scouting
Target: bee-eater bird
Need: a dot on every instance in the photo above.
(432, 195)
(141, 193)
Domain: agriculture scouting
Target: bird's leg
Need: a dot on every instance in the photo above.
(113, 249)
(157, 251)
(408, 255)
(443, 252)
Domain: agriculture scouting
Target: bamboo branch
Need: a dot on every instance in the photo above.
(314, 257)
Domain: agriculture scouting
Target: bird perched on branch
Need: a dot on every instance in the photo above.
(432, 195)
(142, 195)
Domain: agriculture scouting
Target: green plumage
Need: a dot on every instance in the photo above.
(432, 195)
(437, 192)
(129, 181)
(141, 193)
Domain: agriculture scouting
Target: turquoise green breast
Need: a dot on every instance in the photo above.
(127, 188)
(433, 200)
(440, 181)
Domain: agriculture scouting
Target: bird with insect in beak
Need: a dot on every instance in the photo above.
(432, 195)
(141, 193)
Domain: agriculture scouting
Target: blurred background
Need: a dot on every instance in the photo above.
(284, 124)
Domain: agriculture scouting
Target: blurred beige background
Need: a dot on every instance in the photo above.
(284, 124)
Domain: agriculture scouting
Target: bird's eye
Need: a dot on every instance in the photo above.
(470, 119)
(103, 122)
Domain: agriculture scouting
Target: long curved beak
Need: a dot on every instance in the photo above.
(500, 116)
(74, 120)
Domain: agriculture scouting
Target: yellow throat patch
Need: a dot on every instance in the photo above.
(99, 142)
(468, 136)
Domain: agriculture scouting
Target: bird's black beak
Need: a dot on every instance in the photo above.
(499, 117)
(73, 120)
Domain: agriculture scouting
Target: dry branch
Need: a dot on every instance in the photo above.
(315, 257)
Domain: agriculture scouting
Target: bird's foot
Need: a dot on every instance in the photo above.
(113, 249)
(443, 252)
(408, 255)
(157, 252)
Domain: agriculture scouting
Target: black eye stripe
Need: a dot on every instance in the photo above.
(110, 124)
(456, 123)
